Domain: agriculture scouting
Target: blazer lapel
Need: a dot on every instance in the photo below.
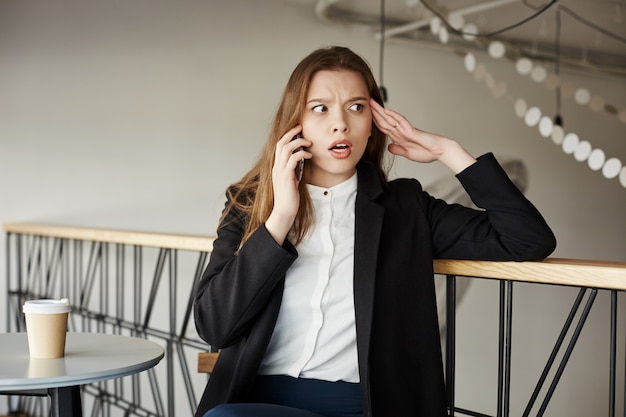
(368, 226)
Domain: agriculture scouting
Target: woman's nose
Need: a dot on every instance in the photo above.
(340, 123)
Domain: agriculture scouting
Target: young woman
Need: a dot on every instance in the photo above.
(319, 292)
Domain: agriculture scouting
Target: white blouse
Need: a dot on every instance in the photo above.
(315, 335)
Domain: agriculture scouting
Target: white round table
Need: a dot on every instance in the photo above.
(89, 357)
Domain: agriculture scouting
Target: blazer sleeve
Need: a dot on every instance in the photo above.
(508, 228)
(237, 285)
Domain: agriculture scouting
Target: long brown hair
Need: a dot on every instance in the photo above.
(253, 194)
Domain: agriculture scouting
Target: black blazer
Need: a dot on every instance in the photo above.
(399, 230)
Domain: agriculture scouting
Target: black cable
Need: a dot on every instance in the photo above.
(558, 119)
(381, 57)
(527, 4)
(540, 10)
(592, 25)
(490, 34)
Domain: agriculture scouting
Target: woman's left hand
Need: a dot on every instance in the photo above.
(418, 145)
(407, 141)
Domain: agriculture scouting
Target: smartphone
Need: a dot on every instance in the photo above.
(300, 166)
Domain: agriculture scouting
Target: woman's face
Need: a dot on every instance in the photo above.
(337, 119)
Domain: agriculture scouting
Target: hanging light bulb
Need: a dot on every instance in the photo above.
(582, 96)
(545, 126)
(596, 159)
(596, 103)
(456, 20)
(570, 143)
(582, 152)
(470, 62)
(532, 116)
(496, 49)
(524, 66)
(538, 74)
(470, 31)
(557, 135)
(611, 168)
(520, 107)
(444, 36)
(435, 25)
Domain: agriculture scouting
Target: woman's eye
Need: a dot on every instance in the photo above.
(320, 108)
(356, 107)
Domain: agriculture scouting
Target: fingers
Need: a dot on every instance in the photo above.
(292, 135)
(292, 142)
(285, 182)
(290, 152)
(386, 120)
(398, 150)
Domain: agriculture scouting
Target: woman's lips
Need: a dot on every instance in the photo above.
(341, 149)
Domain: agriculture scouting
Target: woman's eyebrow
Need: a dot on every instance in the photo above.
(318, 100)
(323, 100)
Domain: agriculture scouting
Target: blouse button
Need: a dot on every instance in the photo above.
(325, 192)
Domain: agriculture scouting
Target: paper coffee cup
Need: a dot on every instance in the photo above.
(46, 327)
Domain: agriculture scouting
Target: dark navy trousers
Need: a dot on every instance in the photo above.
(284, 396)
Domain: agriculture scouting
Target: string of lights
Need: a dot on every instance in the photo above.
(571, 144)
(533, 116)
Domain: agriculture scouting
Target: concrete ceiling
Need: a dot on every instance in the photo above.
(592, 32)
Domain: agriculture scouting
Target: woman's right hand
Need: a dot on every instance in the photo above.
(285, 183)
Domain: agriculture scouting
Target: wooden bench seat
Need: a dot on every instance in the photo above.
(206, 361)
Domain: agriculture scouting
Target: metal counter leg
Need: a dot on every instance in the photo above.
(65, 402)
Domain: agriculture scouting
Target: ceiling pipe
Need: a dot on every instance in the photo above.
(399, 30)
(480, 7)
(321, 8)
(459, 12)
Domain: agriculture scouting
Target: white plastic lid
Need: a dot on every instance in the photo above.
(47, 306)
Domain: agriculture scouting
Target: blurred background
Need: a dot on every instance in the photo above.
(138, 114)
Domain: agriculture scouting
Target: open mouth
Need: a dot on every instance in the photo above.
(341, 149)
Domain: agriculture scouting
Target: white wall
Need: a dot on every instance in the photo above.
(139, 114)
